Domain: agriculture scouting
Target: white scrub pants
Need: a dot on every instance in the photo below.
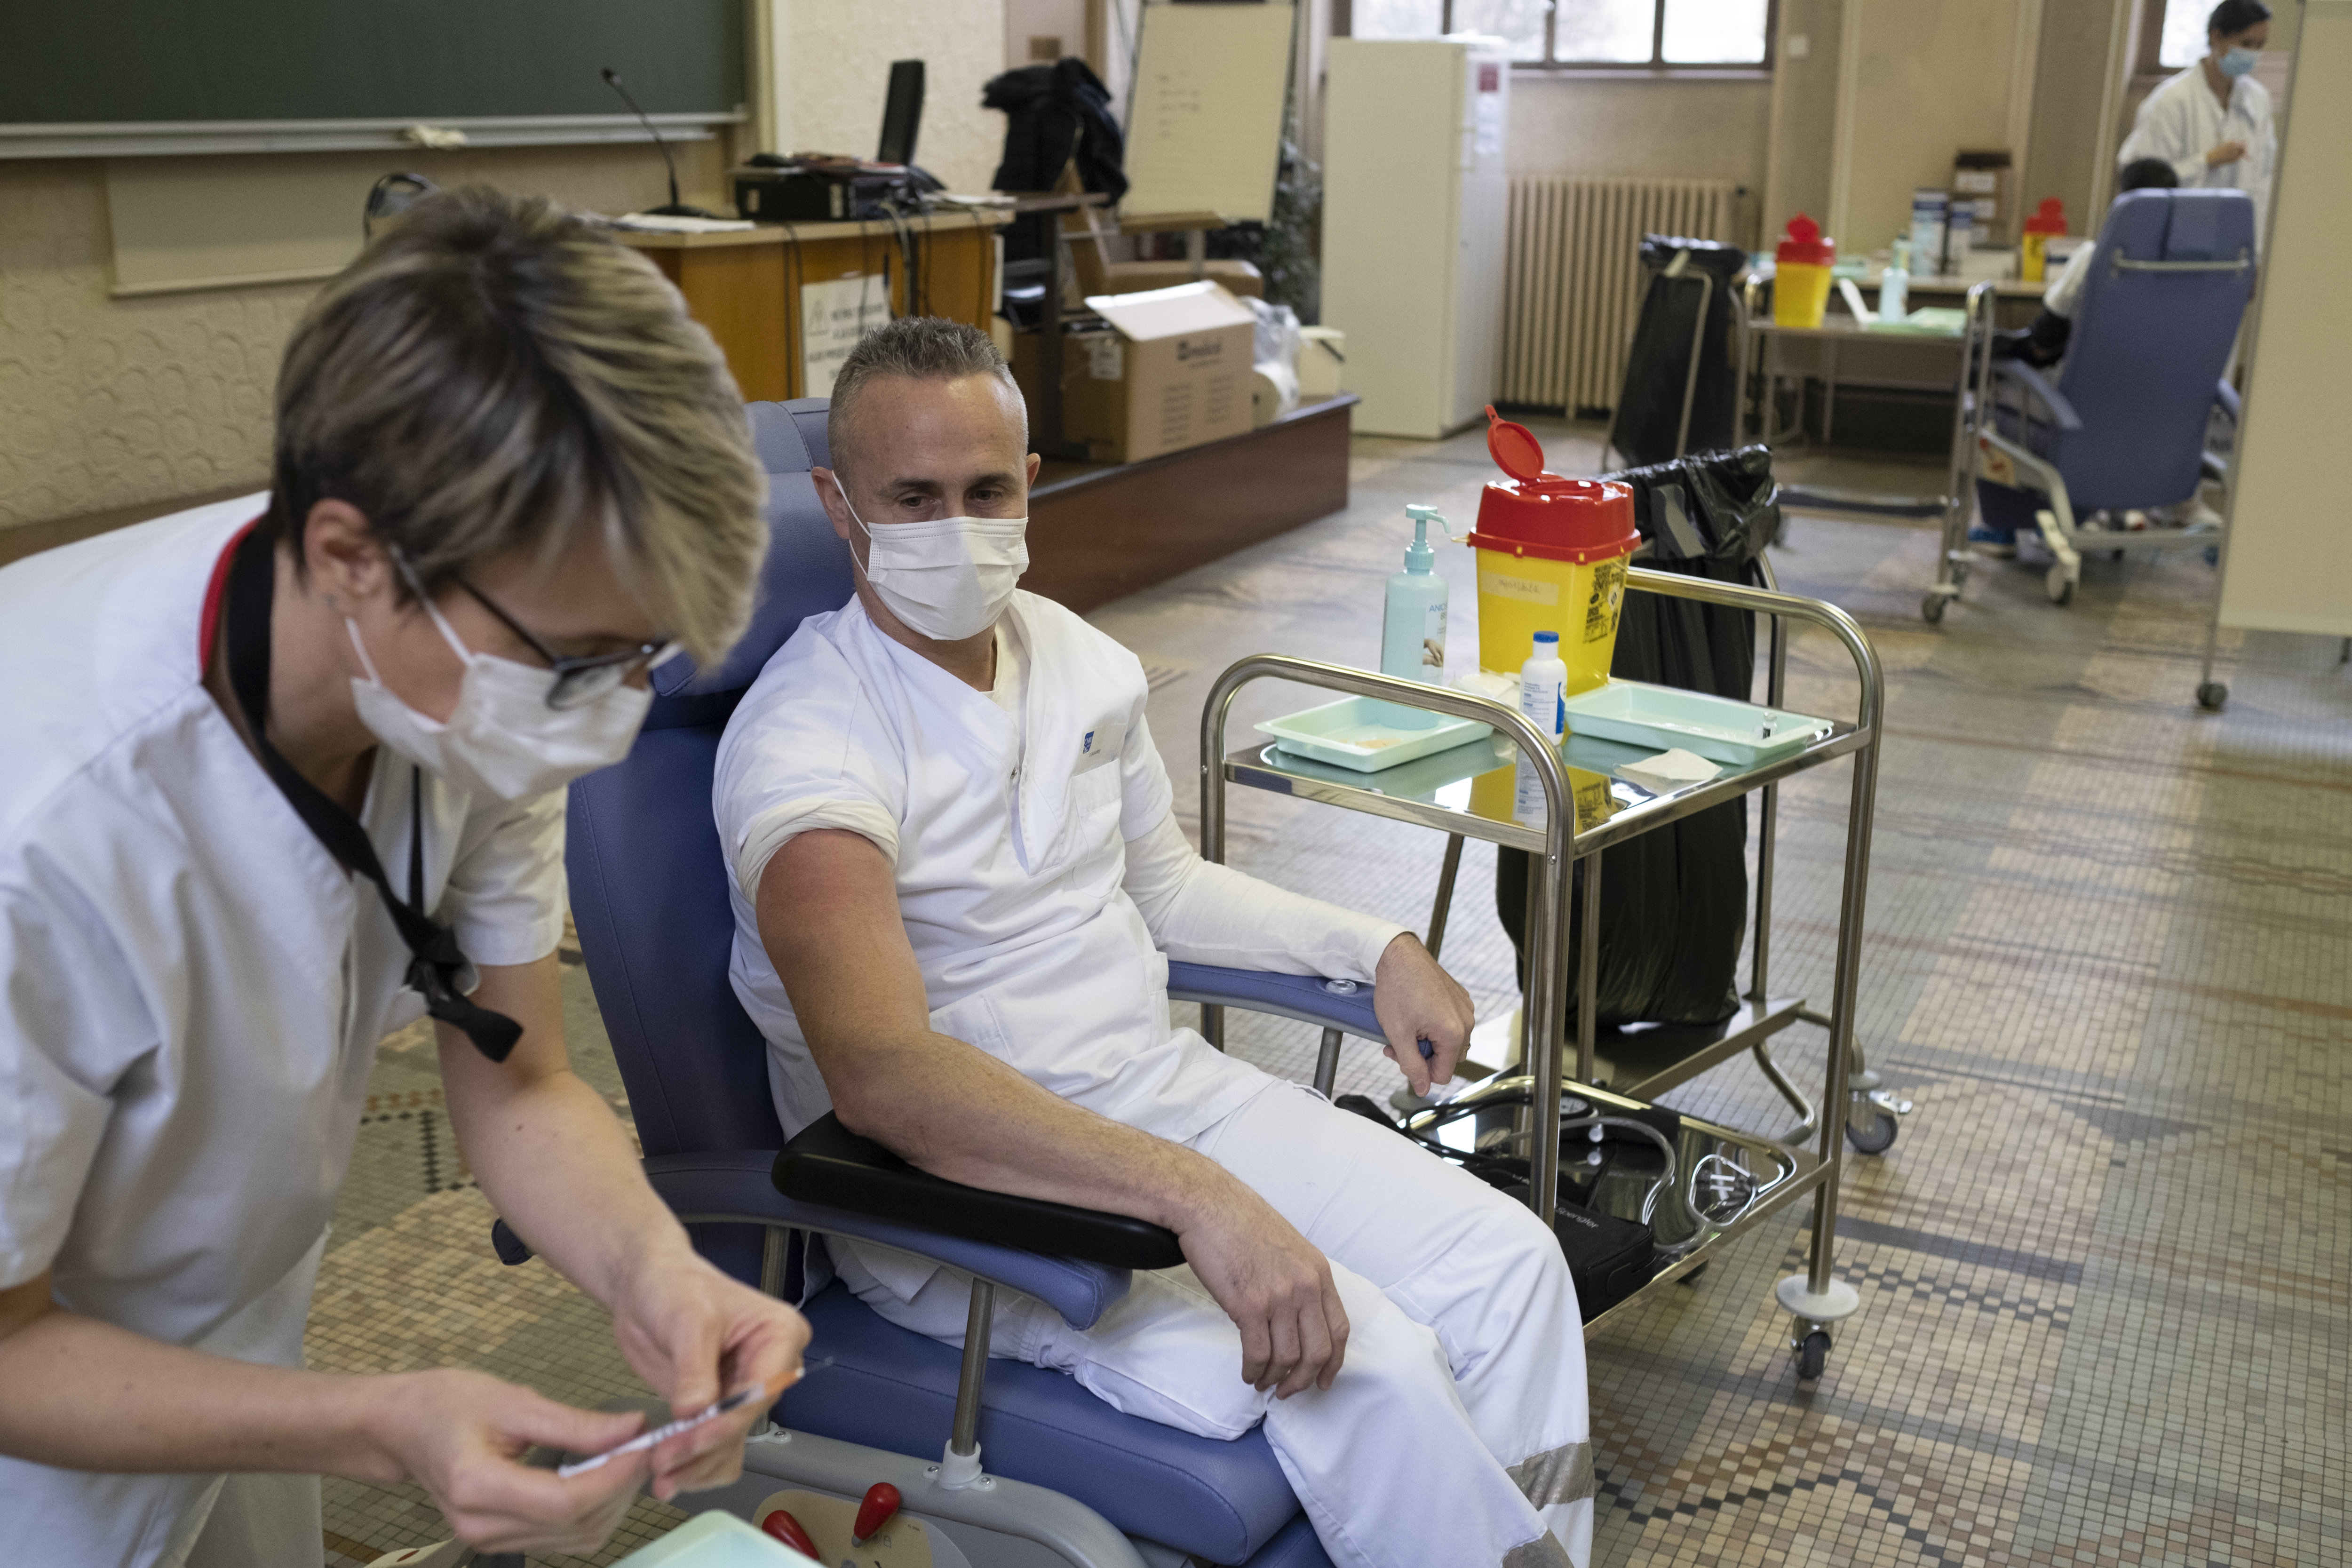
(1458, 1430)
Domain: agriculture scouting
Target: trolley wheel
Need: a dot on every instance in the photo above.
(1931, 608)
(1813, 1355)
(1877, 1138)
(2212, 695)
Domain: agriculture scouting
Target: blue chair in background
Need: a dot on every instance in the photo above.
(1070, 1478)
(2122, 425)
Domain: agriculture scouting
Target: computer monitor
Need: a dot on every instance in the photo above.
(902, 116)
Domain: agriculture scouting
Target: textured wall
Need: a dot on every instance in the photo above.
(109, 403)
(1592, 127)
(839, 68)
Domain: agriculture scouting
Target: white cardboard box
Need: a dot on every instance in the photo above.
(1182, 370)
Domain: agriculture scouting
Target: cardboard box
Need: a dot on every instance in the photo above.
(1174, 372)
(1986, 180)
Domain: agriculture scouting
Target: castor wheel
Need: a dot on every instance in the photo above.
(2059, 587)
(1931, 608)
(2212, 695)
(1813, 1355)
(1876, 1136)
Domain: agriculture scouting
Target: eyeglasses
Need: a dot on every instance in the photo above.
(582, 679)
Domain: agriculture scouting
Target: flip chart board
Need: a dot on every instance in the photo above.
(1204, 135)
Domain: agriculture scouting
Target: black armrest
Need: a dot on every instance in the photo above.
(829, 1164)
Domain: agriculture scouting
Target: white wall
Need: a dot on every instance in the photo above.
(1920, 79)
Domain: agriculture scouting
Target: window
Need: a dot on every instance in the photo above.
(1641, 35)
(2180, 38)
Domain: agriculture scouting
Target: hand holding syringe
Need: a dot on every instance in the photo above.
(662, 1434)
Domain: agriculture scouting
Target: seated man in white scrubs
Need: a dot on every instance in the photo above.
(286, 773)
(959, 882)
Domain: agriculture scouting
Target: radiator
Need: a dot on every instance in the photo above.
(1572, 279)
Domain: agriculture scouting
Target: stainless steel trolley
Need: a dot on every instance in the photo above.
(1586, 812)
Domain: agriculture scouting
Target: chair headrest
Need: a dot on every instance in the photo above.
(807, 570)
(2180, 226)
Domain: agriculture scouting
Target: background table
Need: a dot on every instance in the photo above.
(745, 286)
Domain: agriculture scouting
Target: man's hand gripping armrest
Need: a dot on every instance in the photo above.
(951, 1110)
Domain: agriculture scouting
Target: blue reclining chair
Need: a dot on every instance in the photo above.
(1079, 1482)
(2122, 425)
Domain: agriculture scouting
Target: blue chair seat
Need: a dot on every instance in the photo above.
(895, 1390)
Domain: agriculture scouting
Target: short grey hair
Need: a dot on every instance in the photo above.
(921, 348)
(493, 374)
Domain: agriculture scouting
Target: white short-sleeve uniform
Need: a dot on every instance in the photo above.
(194, 989)
(1044, 885)
(2181, 121)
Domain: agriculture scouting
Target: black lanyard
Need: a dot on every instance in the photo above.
(434, 959)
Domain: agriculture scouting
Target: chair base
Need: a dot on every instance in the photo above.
(999, 1524)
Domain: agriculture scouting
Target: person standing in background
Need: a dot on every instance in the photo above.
(2212, 121)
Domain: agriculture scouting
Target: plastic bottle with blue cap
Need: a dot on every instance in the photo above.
(1543, 701)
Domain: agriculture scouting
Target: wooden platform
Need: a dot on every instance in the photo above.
(1097, 533)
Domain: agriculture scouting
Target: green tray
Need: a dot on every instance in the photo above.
(1718, 729)
(1348, 733)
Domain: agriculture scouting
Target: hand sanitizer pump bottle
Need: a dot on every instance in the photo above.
(1895, 285)
(1412, 627)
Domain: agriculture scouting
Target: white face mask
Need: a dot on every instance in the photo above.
(502, 739)
(947, 579)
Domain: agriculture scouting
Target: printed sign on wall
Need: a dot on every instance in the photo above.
(834, 316)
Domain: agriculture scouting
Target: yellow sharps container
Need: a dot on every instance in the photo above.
(1551, 558)
(1801, 274)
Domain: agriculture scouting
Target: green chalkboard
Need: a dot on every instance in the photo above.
(86, 62)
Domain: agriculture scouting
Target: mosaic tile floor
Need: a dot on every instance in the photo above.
(2106, 1316)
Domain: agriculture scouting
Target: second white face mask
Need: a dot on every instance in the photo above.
(948, 578)
(502, 739)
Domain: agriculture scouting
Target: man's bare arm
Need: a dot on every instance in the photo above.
(829, 920)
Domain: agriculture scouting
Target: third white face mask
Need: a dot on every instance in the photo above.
(947, 579)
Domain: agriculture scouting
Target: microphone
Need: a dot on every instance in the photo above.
(673, 209)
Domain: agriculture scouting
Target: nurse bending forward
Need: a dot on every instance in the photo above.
(280, 780)
(957, 883)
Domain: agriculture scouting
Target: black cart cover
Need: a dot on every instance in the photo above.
(1657, 370)
(1673, 902)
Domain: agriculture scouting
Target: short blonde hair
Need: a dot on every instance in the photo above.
(493, 374)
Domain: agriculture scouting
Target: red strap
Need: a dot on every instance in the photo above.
(208, 625)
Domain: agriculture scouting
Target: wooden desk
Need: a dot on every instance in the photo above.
(746, 286)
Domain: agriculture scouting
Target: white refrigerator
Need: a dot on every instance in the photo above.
(1414, 206)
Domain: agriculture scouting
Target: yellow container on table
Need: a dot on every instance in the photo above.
(1551, 558)
(2033, 254)
(1801, 274)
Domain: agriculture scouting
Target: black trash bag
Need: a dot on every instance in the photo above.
(1674, 902)
(1657, 369)
(1053, 114)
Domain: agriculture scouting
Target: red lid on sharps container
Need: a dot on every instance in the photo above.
(2049, 217)
(1804, 247)
(1545, 516)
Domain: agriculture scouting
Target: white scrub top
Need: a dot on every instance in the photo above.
(195, 988)
(1009, 858)
(2182, 120)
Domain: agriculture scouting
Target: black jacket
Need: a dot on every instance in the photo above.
(1057, 111)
